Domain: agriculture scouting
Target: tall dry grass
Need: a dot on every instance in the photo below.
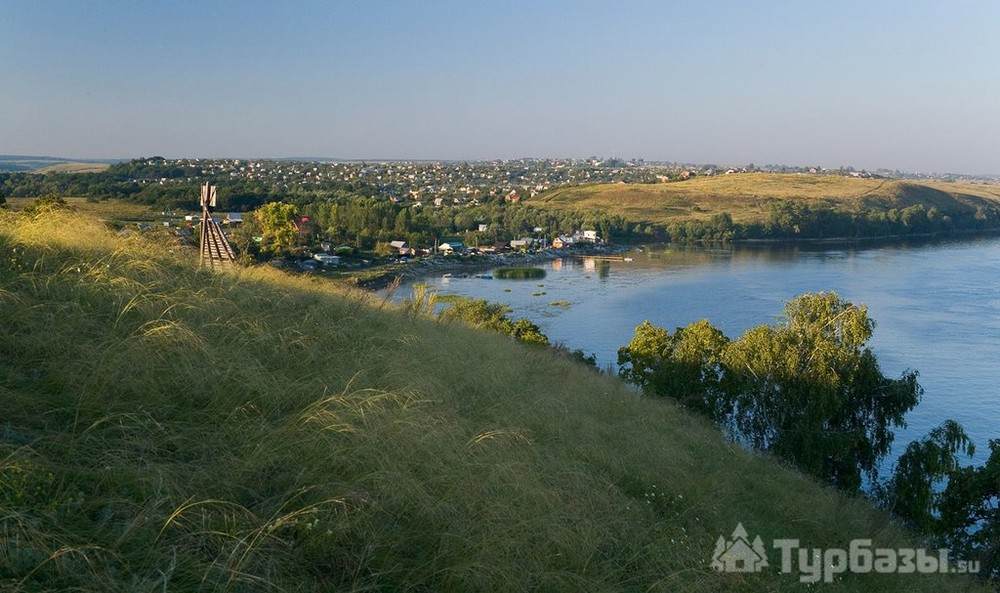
(167, 428)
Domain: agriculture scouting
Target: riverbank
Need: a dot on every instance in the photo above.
(380, 277)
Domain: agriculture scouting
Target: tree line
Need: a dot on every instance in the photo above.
(794, 220)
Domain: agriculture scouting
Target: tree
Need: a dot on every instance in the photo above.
(402, 223)
(811, 390)
(963, 515)
(685, 366)
(243, 238)
(276, 221)
(970, 513)
(913, 493)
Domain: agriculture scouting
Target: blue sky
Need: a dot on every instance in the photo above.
(913, 85)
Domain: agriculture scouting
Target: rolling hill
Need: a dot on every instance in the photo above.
(73, 168)
(51, 164)
(169, 428)
(747, 197)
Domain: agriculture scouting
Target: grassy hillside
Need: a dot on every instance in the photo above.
(169, 428)
(747, 196)
(74, 168)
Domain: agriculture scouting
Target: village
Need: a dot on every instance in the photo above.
(315, 254)
(439, 183)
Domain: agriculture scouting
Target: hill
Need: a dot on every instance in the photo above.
(45, 164)
(170, 428)
(74, 168)
(747, 197)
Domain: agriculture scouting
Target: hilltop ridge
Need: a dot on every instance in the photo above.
(747, 196)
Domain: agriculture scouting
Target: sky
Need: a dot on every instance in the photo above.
(911, 85)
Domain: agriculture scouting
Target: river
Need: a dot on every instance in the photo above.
(936, 305)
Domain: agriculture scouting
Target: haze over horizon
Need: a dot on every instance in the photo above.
(901, 85)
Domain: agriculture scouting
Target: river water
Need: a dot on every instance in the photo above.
(936, 305)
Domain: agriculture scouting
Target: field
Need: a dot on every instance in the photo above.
(47, 164)
(747, 196)
(73, 168)
(169, 428)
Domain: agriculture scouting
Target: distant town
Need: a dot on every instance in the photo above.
(353, 215)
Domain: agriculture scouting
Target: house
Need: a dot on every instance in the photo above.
(451, 247)
(513, 197)
(397, 244)
(591, 236)
(327, 260)
(501, 246)
(522, 243)
(234, 218)
(483, 228)
(563, 241)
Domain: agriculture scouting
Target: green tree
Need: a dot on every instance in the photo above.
(913, 493)
(970, 513)
(243, 238)
(956, 506)
(276, 221)
(811, 390)
(685, 366)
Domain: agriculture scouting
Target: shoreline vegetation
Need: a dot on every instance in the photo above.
(809, 390)
(292, 446)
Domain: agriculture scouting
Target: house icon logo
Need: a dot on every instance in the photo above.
(738, 554)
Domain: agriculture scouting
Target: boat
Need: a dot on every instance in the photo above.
(628, 259)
